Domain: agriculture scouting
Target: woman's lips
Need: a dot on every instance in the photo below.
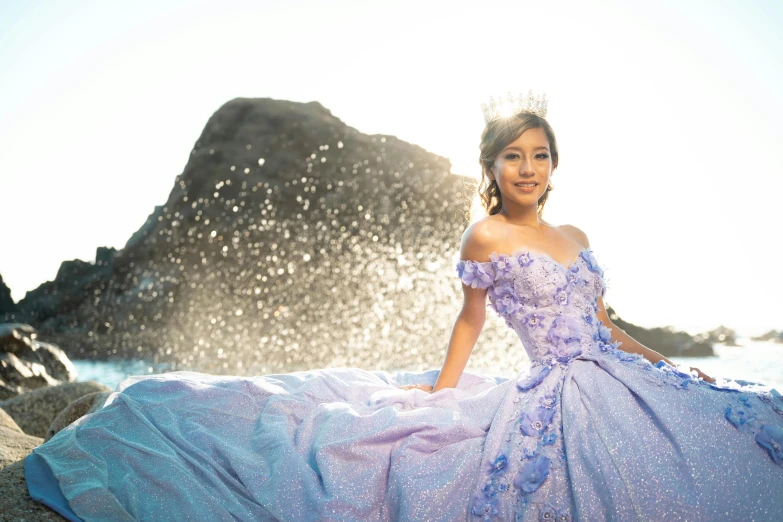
(526, 186)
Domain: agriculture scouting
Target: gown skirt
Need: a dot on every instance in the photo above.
(587, 432)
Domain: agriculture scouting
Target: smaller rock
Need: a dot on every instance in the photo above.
(15, 501)
(15, 445)
(27, 363)
(55, 361)
(24, 375)
(35, 410)
(6, 421)
(16, 338)
(76, 410)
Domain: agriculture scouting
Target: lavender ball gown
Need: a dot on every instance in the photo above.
(589, 432)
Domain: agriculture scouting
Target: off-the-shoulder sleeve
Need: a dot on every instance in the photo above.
(475, 274)
(592, 264)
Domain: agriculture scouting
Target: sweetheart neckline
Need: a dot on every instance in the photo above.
(537, 253)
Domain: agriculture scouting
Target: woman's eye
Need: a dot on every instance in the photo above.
(516, 156)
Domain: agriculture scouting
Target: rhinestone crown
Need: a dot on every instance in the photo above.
(510, 105)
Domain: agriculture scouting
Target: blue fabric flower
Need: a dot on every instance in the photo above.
(524, 259)
(534, 378)
(604, 347)
(592, 265)
(564, 336)
(533, 320)
(549, 400)
(627, 357)
(503, 263)
(561, 294)
(771, 437)
(532, 473)
(534, 423)
(565, 328)
(485, 508)
(498, 465)
(741, 419)
(549, 439)
(474, 274)
(604, 333)
(504, 299)
(565, 352)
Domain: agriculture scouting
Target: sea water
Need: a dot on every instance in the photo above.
(752, 361)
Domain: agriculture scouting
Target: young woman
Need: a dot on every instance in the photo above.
(590, 432)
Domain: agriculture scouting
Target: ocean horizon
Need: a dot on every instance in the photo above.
(756, 361)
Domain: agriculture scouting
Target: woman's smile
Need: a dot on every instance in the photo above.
(525, 186)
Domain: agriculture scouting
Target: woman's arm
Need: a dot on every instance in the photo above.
(631, 345)
(477, 243)
(464, 335)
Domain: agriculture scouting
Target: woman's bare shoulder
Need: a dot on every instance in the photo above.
(576, 234)
(480, 239)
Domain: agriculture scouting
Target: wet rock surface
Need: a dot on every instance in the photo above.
(27, 363)
(15, 502)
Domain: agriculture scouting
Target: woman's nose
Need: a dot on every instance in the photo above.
(525, 167)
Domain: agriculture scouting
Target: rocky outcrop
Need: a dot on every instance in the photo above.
(35, 410)
(27, 363)
(7, 305)
(77, 409)
(721, 335)
(15, 502)
(772, 335)
(666, 341)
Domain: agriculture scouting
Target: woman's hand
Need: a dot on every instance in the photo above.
(425, 387)
(702, 375)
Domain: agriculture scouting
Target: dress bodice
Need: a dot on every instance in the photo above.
(552, 307)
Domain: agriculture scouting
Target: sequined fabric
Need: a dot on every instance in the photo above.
(588, 432)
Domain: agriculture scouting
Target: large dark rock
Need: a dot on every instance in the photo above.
(290, 240)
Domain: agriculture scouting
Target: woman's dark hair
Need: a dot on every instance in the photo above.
(497, 135)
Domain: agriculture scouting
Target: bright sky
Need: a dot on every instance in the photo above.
(667, 115)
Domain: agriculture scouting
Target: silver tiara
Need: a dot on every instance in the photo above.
(508, 106)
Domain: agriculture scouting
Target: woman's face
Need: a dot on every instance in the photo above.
(523, 168)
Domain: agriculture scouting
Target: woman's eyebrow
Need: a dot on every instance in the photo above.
(519, 149)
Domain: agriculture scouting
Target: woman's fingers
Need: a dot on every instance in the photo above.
(425, 387)
(703, 375)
